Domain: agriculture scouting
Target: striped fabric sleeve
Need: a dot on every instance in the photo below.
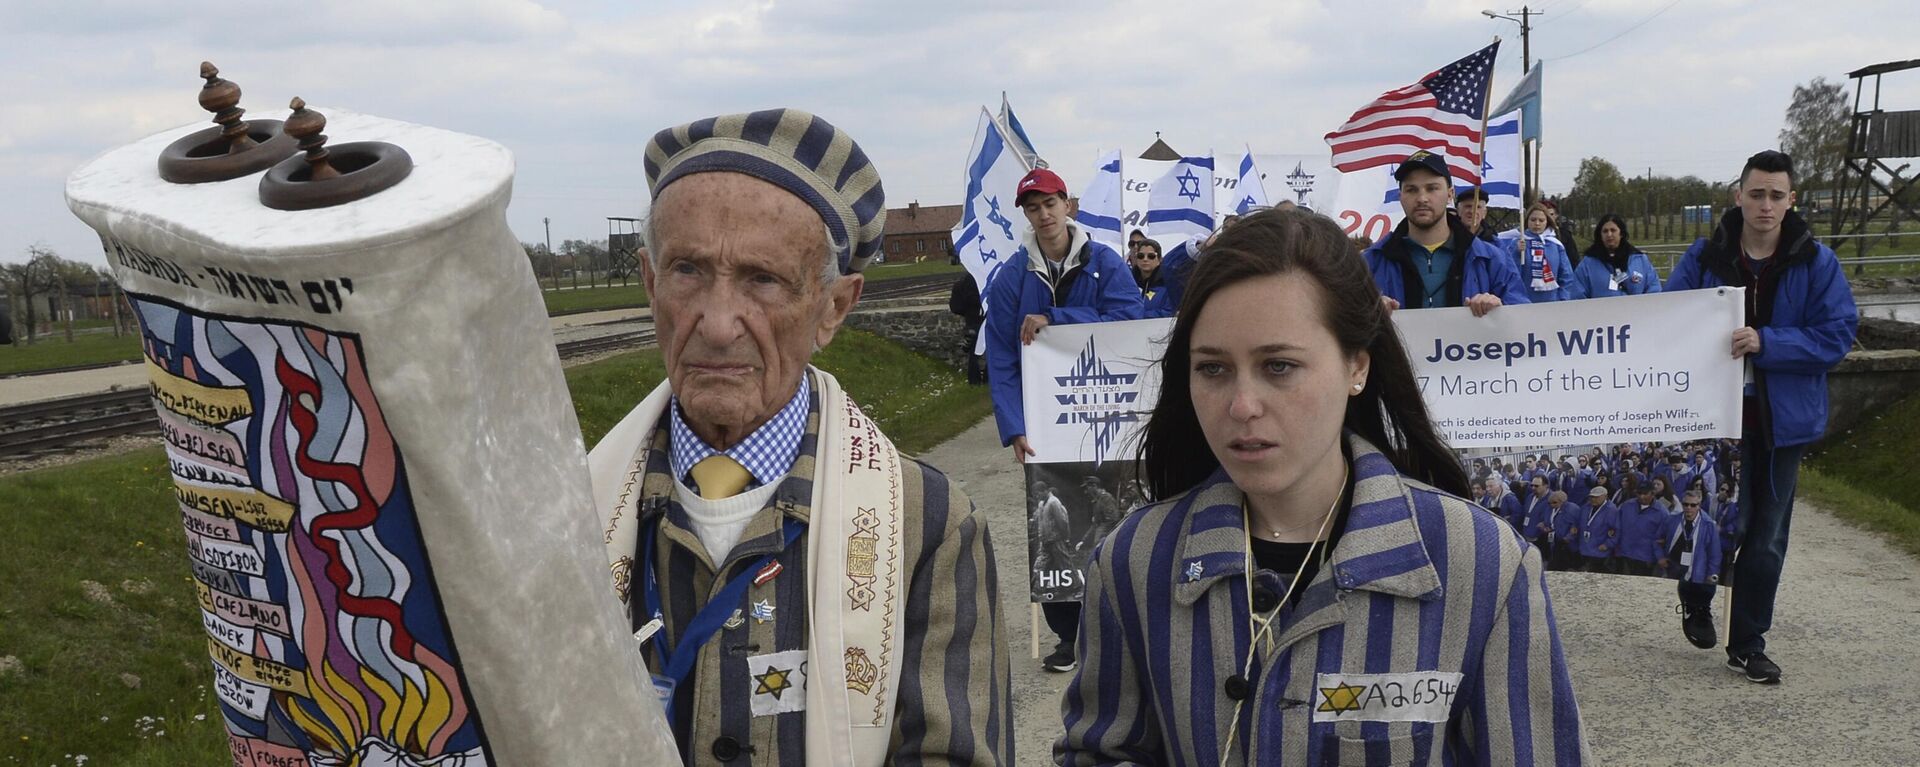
(1524, 712)
(955, 705)
(1108, 716)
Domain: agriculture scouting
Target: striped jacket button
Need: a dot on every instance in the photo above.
(726, 749)
(1237, 687)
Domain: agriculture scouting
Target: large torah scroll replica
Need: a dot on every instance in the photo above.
(379, 472)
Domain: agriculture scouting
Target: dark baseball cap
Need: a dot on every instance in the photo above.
(1473, 193)
(1423, 159)
(1039, 180)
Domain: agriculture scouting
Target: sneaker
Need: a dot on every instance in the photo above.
(1061, 660)
(1757, 666)
(1697, 624)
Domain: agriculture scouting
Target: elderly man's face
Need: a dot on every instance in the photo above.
(737, 299)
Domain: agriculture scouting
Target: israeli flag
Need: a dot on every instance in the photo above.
(1017, 135)
(985, 238)
(1180, 205)
(1251, 193)
(1500, 169)
(1100, 207)
(1525, 98)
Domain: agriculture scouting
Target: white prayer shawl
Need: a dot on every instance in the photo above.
(856, 537)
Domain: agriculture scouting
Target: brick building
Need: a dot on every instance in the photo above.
(920, 232)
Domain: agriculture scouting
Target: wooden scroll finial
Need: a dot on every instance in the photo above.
(305, 125)
(222, 98)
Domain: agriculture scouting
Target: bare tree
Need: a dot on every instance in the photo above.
(1818, 126)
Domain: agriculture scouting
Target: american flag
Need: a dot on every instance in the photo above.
(1441, 113)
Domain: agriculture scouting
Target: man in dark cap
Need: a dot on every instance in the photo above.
(1472, 207)
(802, 592)
(1431, 259)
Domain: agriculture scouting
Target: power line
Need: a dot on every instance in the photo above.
(1621, 33)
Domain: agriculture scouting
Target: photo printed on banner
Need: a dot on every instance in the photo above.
(1070, 508)
(1666, 510)
(328, 639)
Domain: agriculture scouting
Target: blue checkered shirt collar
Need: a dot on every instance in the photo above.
(768, 453)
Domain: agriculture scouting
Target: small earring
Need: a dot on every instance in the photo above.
(1357, 387)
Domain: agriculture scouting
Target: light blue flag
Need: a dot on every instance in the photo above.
(1100, 206)
(1525, 97)
(1180, 205)
(1249, 192)
(986, 236)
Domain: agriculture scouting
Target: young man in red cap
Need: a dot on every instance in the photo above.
(1067, 278)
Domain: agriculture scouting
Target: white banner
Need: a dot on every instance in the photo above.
(1087, 388)
(1651, 368)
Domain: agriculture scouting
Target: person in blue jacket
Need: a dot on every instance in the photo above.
(1689, 546)
(1641, 518)
(1567, 518)
(1431, 259)
(1800, 322)
(1542, 260)
(1059, 275)
(1612, 265)
(1599, 532)
(1536, 516)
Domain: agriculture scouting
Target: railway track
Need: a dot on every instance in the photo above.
(36, 429)
(906, 287)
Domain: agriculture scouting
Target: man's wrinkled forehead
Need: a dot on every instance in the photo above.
(722, 203)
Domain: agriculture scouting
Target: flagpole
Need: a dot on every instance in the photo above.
(1485, 107)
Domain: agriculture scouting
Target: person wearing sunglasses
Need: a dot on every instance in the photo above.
(1146, 268)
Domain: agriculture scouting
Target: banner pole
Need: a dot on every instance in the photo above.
(1033, 623)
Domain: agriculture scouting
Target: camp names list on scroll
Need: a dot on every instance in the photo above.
(325, 629)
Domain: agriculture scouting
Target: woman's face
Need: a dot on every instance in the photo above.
(1270, 383)
(1146, 258)
(1610, 235)
(1537, 221)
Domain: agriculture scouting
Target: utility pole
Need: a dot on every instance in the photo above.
(1528, 171)
(553, 264)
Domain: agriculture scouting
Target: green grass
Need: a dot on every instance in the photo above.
(588, 299)
(884, 272)
(110, 522)
(52, 351)
(1866, 475)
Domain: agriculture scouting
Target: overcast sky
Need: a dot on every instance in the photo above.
(575, 87)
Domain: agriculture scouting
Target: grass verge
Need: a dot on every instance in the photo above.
(101, 649)
(884, 272)
(52, 351)
(1867, 476)
(591, 299)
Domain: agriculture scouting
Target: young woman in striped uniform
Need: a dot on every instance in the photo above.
(1312, 588)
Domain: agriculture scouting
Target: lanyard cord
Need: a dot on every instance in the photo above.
(1260, 626)
(677, 661)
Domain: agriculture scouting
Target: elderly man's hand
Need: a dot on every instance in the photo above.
(1021, 449)
(1483, 303)
(1031, 327)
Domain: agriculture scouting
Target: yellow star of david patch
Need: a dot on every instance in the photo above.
(773, 682)
(1340, 699)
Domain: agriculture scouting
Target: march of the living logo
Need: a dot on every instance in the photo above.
(1097, 397)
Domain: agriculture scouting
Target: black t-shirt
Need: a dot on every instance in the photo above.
(1285, 559)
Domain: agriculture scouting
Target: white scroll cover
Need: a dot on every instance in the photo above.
(379, 472)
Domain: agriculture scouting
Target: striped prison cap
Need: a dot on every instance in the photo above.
(793, 150)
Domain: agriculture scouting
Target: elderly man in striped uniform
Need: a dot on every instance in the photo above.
(802, 592)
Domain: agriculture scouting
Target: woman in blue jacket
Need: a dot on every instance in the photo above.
(1310, 586)
(1612, 266)
(1545, 271)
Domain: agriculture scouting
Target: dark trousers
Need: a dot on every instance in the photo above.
(1064, 619)
(1766, 498)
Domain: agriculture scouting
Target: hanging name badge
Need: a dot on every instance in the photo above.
(1686, 559)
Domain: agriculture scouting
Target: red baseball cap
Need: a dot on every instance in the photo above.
(1039, 180)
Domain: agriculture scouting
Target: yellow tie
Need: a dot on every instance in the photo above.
(719, 477)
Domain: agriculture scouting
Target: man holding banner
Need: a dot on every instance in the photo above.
(1800, 322)
(1431, 259)
(1059, 275)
